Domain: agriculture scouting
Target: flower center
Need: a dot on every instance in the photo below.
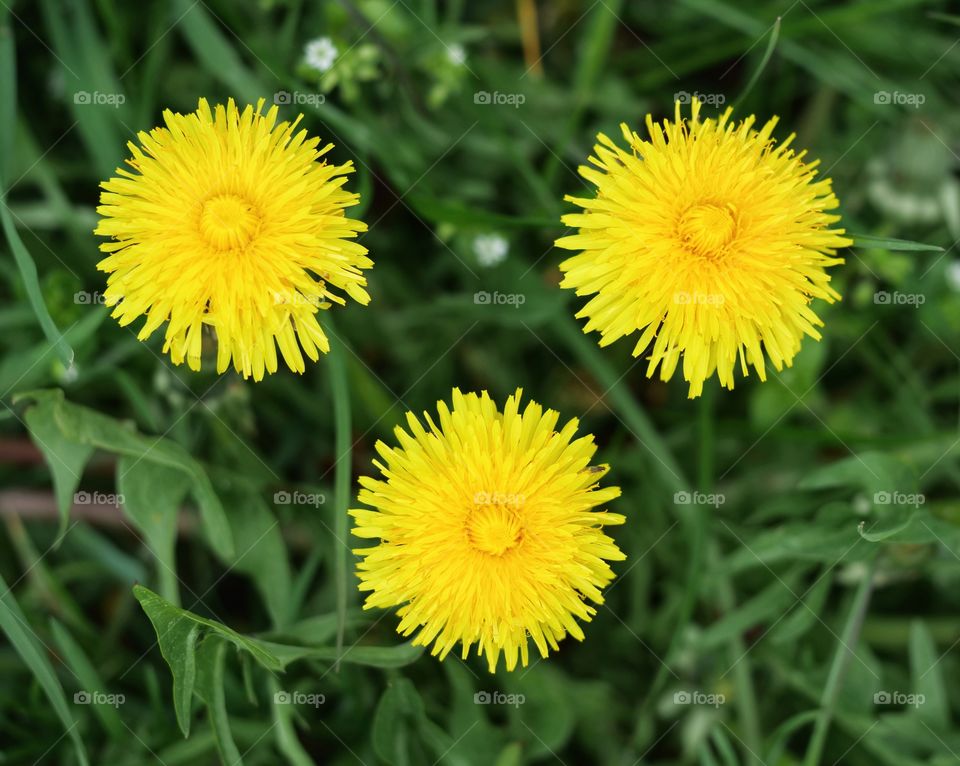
(493, 528)
(707, 228)
(228, 222)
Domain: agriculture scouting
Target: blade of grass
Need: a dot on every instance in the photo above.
(25, 262)
(746, 697)
(865, 240)
(694, 517)
(90, 679)
(211, 657)
(31, 283)
(851, 632)
(286, 734)
(86, 69)
(592, 57)
(14, 623)
(8, 97)
(215, 52)
(633, 414)
(343, 454)
(767, 54)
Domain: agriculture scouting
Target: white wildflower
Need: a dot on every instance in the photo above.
(320, 54)
(457, 54)
(490, 249)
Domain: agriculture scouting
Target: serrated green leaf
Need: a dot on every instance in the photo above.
(177, 633)
(261, 553)
(177, 637)
(390, 732)
(65, 458)
(871, 471)
(85, 426)
(318, 630)
(372, 656)
(547, 710)
(152, 495)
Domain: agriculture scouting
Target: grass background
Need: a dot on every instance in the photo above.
(790, 605)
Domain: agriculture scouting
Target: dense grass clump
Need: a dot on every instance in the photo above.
(178, 579)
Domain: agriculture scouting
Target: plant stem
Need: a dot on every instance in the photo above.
(634, 416)
(746, 695)
(841, 660)
(339, 388)
(696, 518)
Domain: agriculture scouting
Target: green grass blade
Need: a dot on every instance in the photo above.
(31, 282)
(34, 654)
(24, 261)
(90, 680)
(844, 653)
(211, 657)
(286, 735)
(8, 97)
(343, 453)
(767, 54)
(866, 240)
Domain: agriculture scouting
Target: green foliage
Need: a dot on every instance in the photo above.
(177, 546)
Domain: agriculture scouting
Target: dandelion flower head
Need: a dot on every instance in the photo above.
(710, 240)
(230, 221)
(487, 528)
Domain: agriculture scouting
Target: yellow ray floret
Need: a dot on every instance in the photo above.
(709, 240)
(231, 221)
(487, 530)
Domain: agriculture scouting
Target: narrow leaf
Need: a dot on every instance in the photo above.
(34, 654)
(885, 243)
(211, 657)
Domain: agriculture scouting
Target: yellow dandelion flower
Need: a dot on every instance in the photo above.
(710, 240)
(228, 220)
(486, 528)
